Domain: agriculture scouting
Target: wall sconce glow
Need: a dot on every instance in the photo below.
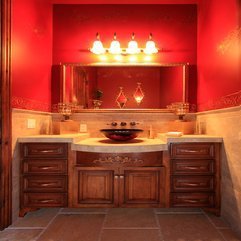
(118, 57)
(115, 46)
(138, 95)
(133, 46)
(148, 58)
(133, 58)
(150, 46)
(97, 46)
(103, 58)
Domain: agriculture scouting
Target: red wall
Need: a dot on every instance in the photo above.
(219, 82)
(125, 1)
(31, 54)
(173, 27)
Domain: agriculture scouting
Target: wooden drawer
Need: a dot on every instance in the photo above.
(44, 200)
(192, 166)
(192, 200)
(44, 184)
(192, 183)
(48, 150)
(45, 166)
(123, 159)
(192, 150)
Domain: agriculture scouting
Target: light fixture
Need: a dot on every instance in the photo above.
(180, 109)
(150, 46)
(65, 109)
(138, 95)
(97, 47)
(121, 98)
(115, 47)
(133, 46)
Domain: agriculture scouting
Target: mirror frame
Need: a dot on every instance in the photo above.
(63, 95)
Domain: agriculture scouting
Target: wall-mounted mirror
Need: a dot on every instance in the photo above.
(161, 85)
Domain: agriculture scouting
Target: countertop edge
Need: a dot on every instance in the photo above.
(67, 138)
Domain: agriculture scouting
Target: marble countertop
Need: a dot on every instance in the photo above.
(108, 146)
(67, 138)
(82, 142)
(189, 138)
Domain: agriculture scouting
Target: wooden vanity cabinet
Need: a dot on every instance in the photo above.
(118, 180)
(195, 175)
(43, 176)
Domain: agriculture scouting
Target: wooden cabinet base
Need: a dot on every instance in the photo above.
(43, 176)
(118, 180)
(24, 211)
(195, 176)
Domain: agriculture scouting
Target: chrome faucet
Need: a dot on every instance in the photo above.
(123, 123)
(133, 123)
(114, 123)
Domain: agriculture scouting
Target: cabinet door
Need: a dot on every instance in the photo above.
(94, 185)
(143, 186)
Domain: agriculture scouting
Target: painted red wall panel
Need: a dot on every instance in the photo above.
(174, 29)
(31, 54)
(125, 1)
(219, 82)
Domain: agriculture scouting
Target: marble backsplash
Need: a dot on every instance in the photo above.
(156, 122)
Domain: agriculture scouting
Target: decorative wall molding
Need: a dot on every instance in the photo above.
(118, 160)
(224, 102)
(23, 103)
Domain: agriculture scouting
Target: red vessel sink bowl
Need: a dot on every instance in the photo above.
(121, 134)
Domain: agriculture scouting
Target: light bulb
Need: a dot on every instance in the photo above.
(150, 46)
(115, 46)
(97, 47)
(133, 46)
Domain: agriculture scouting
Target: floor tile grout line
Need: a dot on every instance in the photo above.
(158, 225)
(23, 228)
(50, 222)
(191, 213)
(130, 228)
(81, 213)
(218, 230)
(103, 224)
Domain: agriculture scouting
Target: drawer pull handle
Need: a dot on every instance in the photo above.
(121, 177)
(47, 168)
(47, 201)
(116, 176)
(191, 168)
(192, 184)
(189, 151)
(194, 201)
(47, 184)
(47, 151)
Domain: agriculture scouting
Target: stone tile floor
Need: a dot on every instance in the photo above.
(118, 224)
